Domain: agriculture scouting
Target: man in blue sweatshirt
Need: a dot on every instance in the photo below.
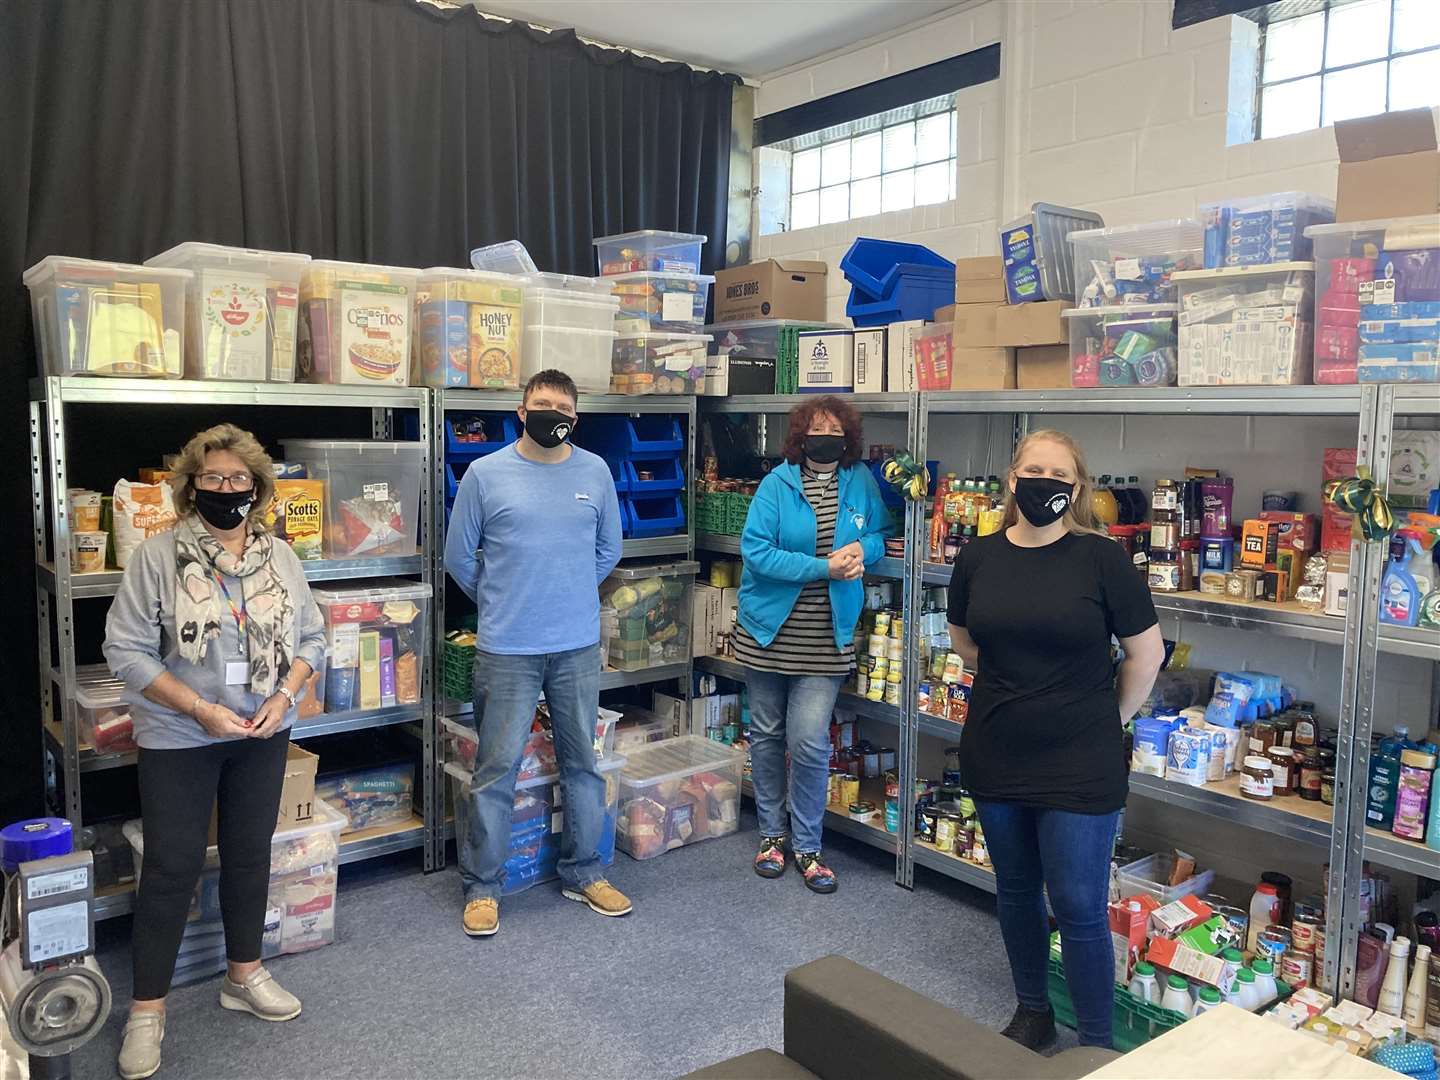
(535, 529)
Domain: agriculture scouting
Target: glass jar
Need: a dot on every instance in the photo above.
(1257, 780)
(1282, 766)
(1327, 786)
(1310, 774)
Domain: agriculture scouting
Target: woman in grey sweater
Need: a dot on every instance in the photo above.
(214, 633)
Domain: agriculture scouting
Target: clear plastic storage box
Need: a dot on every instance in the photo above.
(677, 792)
(658, 363)
(468, 329)
(506, 257)
(108, 318)
(355, 323)
(1039, 261)
(300, 911)
(1130, 264)
(241, 310)
(376, 639)
(1246, 325)
(1260, 229)
(584, 355)
(669, 303)
(649, 249)
(757, 337)
(570, 308)
(1149, 875)
(652, 610)
(372, 493)
(1130, 345)
(461, 742)
(102, 714)
(537, 823)
(1377, 299)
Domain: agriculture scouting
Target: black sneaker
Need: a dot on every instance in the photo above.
(770, 861)
(818, 877)
(1033, 1029)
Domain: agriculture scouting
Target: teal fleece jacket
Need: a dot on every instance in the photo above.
(778, 548)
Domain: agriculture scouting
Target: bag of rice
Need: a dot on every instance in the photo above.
(140, 512)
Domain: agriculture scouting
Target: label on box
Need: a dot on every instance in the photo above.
(1378, 292)
(677, 307)
(234, 324)
(376, 492)
(57, 931)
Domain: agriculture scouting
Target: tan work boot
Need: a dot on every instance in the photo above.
(259, 995)
(602, 897)
(140, 1052)
(481, 918)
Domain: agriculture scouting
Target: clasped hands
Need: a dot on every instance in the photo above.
(847, 563)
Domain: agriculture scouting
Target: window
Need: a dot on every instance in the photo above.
(893, 161)
(1344, 58)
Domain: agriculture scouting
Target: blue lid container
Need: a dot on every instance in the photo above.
(37, 838)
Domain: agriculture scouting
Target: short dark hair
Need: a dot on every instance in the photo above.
(551, 379)
(803, 415)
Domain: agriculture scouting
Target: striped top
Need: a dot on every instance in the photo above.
(805, 642)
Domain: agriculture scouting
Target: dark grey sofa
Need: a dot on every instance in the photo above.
(846, 1022)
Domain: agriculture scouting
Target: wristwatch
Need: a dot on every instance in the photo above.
(283, 689)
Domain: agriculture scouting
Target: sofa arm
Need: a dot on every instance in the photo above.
(846, 1022)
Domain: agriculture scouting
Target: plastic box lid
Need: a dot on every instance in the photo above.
(772, 324)
(656, 238)
(1222, 272)
(1427, 227)
(1275, 198)
(661, 337)
(300, 448)
(378, 591)
(674, 759)
(326, 819)
(640, 573)
(582, 330)
(495, 277)
(53, 265)
(1166, 234)
(359, 270)
(100, 695)
(572, 283)
(506, 257)
(661, 275)
(1120, 309)
(602, 765)
(194, 251)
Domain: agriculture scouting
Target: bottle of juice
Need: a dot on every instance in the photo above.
(1103, 503)
(997, 494)
(953, 499)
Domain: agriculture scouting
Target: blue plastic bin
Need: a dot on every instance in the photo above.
(870, 262)
(659, 515)
(667, 474)
(916, 292)
(501, 429)
(623, 437)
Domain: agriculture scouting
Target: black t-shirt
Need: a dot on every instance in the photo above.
(1044, 724)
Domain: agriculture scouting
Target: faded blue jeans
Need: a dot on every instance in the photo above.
(1035, 850)
(507, 689)
(793, 711)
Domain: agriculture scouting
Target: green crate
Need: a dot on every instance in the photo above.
(710, 511)
(457, 668)
(737, 511)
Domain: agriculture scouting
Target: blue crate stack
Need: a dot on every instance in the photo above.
(653, 444)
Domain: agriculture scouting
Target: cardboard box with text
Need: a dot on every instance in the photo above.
(771, 289)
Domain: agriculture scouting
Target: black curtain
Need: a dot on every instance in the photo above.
(371, 130)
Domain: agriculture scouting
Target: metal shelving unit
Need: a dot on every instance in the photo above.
(64, 757)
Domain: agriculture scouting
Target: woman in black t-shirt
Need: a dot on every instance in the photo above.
(1032, 610)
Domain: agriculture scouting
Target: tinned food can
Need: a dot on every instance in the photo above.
(1304, 927)
(849, 789)
(1273, 943)
(1297, 968)
(947, 830)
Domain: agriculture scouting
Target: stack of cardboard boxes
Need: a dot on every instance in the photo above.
(1002, 346)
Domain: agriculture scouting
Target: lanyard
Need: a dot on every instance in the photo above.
(237, 613)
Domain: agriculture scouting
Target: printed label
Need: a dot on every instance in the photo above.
(379, 492)
(374, 333)
(234, 325)
(677, 307)
(61, 881)
(59, 931)
(1127, 270)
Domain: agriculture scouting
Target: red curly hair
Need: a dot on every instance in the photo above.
(803, 415)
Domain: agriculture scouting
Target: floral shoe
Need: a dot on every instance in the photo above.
(770, 861)
(818, 877)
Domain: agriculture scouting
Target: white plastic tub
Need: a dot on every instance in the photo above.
(242, 307)
(372, 493)
(107, 318)
(1148, 875)
(582, 354)
(571, 309)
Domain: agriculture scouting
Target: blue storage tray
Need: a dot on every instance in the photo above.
(869, 261)
(501, 429)
(913, 296)
(669, 475)
(659, 515)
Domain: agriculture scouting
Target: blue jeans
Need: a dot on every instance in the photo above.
(793, 711)
(1068, 854)
(507, 689)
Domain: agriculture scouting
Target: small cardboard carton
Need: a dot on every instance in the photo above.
(980, 280)
(1389, 166)
(827, 362)
(297, 794)
(1043, 367)
(976, 325)
(869, 352)
(982, 369)
(771, 289)
(900, 356)
(1021, 325)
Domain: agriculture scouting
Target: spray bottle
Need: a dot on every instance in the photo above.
(1399, 592)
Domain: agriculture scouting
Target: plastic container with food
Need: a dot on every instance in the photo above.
(757, 337)
(242, 310)
(461, 742)
(355, 323)
(382, 795)
(582, 354)
(372, 493)
(1132, 264)
(653, 302)
(108, 318)
(649, 249)
(102, 714)
(1246, 325)
(652, 606)
(658, 363)
(468, 329)
(376, 639)
(1129, 345)
(678, 792)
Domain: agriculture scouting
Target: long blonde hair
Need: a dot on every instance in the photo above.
(1080, 518)
(244, 446)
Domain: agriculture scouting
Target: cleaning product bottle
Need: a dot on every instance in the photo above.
(1392, 990)
(1177, 995)
(1432, 831)
(1416, 996)
(1385, 779)
(1399, 594)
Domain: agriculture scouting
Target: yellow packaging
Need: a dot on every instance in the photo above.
(297, 516)
(154, 476)
(495, 346)
(89, 551)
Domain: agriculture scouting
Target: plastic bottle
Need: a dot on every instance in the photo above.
(1392, 990)
(1143, 984)
(1103, 503)
(1412, 794)
(1385, 779)
(1432, 831)
(992, 488)
(1244, 992)
(1416, 995)
(1209, 999)
(1265, 981)
(1264, 911)
(1177, 996)
(1234, 960)
(1399, 594)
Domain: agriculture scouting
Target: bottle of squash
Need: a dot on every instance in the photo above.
(1102, 502)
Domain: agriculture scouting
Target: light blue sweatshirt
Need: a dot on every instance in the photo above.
(530, 544)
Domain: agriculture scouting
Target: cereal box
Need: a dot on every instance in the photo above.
(297, 516)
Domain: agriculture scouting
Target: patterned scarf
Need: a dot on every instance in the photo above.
(200, 604)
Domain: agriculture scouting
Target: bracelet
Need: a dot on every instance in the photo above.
(194, 705)
(289, 694)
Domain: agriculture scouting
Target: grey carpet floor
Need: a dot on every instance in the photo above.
(692, 977)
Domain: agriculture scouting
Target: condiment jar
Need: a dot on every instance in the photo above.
(1262, 737)
(1282, 765)
(1284, 725)
(1327, 786)
(1310, 773)
(1257, 779)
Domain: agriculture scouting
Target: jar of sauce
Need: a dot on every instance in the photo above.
(1284, 725)
(947, 830)
(1282, 765)
(1257, 779)
(1262, 737)
(1310, 774)
(1165, 574)
(1327, 786)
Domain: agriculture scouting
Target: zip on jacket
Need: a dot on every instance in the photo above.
(778, 549)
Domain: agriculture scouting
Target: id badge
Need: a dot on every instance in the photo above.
(237, 672)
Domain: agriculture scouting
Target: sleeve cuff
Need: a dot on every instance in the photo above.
(138, 672)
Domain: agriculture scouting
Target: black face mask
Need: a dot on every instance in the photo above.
(224, 510)
(1042, 500)
(824, 449)
(548, 427)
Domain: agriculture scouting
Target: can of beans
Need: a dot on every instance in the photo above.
(1304, 926)
(1297, 968)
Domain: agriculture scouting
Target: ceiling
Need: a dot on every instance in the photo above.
(747, 37)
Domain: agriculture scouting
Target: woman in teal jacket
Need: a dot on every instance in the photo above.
(816, 522)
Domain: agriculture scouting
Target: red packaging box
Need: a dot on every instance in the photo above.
(1183, 960)
(1175, 918)
(1299, 533)
(1339, 462)
(1336, 342)
(1127, 932)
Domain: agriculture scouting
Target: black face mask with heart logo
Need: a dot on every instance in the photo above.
(548, 427)
(225, 510)
(1042, 499)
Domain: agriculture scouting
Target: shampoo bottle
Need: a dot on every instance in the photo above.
(1392, 990)
(1416, 994)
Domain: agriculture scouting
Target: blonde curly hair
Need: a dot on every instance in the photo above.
(243, 445)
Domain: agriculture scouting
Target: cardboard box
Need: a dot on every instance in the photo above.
(982, 369)
(975, 325)
(705, 619)
(1259, 544)
(717, 376)
(1339, 462)
(1039, 323)
(827, 362)
(1043, 367)
(297, 795)
(1389, 166)
(900, 356)
(1182, 960)
(1176, 917)
(771, 289)
(1129, 919)
(869, 353)
(1299, 533)
(980, 281)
